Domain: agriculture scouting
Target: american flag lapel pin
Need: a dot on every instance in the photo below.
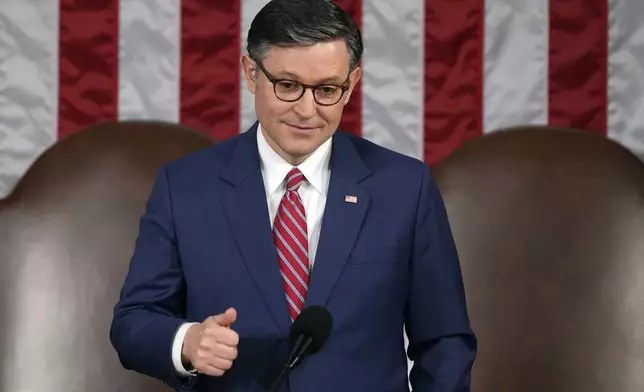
(351, 199)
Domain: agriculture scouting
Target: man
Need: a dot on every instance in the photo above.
(238, 238)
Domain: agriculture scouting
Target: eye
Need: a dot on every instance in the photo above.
(327, 90)
(287, 85)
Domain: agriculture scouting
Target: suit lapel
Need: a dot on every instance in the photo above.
(247, 212)
(342, 219)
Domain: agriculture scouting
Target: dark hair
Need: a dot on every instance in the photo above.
(285, 23)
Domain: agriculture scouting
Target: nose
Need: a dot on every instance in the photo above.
(305, 106)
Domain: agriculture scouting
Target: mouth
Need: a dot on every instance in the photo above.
(301, 128)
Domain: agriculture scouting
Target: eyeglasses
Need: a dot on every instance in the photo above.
(290, 90)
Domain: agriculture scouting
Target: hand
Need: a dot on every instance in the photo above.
(211, 346)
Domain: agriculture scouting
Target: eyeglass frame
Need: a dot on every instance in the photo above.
(344, 87)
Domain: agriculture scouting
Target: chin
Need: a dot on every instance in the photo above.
(300, 151)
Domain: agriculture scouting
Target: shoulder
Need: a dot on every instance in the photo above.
(208, 160)
(198, 171)
(397, 182)
(385, 162)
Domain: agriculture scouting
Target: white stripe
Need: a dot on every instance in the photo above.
(290, 233)
(290, 250)
(626, 74)
(393, 72)
(516, 63)
(291, 268)
(299, 208)
(295, 308)
(247, 109)
(288, 281)
(297, 293)
(393, 77)
(28, 85)
(149, 49)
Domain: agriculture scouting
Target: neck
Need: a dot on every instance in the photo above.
(292, 160)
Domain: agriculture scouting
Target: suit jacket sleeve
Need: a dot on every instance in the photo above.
(441, 343)
(150, 309)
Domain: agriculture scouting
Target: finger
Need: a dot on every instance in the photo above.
(227, 337)
(230, 316)
(212, 363)
(226, 352)
(221, 363)
(210, 370)
(224, 319)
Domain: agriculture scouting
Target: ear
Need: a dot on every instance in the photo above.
(249, 68)
(353, 80)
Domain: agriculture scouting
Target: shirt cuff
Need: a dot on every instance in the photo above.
(177, 346)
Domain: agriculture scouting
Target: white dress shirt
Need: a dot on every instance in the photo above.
(313, 192)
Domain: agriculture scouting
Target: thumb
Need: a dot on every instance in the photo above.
(227, 318)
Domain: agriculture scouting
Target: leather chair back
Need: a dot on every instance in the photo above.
(549, 225)
(67, 233)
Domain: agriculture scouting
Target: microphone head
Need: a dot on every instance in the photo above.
(314, 322)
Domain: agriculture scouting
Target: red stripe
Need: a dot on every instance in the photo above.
(288, 225)
(292, 277)
(303, 274)
(454, 45)
(210, 70)
(352, 116)
(88, 64)
(578, 64)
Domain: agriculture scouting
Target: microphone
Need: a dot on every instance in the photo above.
(309, 332)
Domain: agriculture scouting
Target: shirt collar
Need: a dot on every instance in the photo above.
(275, 168)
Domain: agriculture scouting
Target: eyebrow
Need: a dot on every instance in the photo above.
(288, 75)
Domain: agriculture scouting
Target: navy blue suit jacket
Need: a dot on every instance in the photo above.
(385, 262)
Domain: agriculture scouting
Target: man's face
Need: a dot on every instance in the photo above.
(295, 129)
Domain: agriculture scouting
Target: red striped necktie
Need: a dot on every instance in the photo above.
(291, 239)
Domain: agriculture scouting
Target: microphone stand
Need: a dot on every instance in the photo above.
(292, 361)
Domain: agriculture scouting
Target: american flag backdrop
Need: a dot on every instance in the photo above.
(435, 72)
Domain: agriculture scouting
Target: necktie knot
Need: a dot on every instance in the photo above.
(294, 179)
